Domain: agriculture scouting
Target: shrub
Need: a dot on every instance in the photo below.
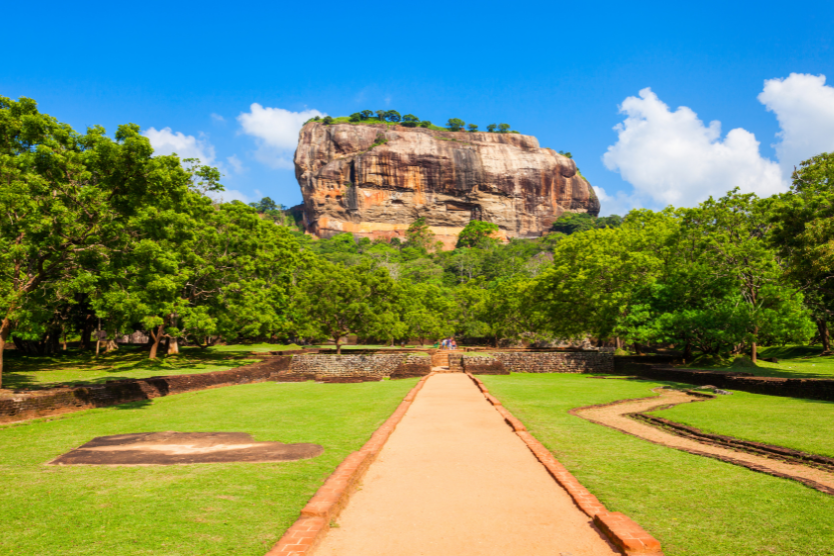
(503, 128)
(380, 140)
(425, 123)
(356, 117)
(410, 120)
(472, 128)
(327, 120)
(455, 124)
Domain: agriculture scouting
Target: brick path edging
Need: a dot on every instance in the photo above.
(332, 497)
(619, 528)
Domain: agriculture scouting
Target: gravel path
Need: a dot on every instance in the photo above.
(454, 479)
(614, 416)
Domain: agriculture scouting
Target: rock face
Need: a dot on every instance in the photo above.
(373, 181)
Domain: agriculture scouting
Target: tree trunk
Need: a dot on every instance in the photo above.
(637, 349)
(156, 338)
(5, 330)
(338, 345)
(173, 346)
(687, 350)
(618, 342)
(86, 332)
(822, 326)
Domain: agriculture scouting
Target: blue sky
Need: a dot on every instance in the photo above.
(559, 71)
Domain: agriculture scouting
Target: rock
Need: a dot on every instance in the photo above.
(374, 180)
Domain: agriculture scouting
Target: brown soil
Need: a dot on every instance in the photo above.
(172, 448)
(618, 416)
(453, 478)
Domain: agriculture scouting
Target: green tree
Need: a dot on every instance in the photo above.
(64, 202)
(736, 232)
(566, 154)
(455, 124)
(503, 128)
(478, 234)
(380, 114)
(356, 117)
(392, 116)
(491, 128)
(264, 205)
(430, 312)
(425, 123)
(803, 234)
(335, 301)
(410, 120)
(366, 114)
(472, 128)
(419, 235)
(327, 120)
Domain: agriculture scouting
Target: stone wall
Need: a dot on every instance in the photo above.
(479, 365)
(28, 405)
(810, 388)
(557, 362)
(356, 368)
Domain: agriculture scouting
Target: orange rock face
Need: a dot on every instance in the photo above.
(373, 181)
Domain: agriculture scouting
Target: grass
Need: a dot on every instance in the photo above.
(693, 505)
(209, 509)
(794, 362)
(791, 422)
(75, 367)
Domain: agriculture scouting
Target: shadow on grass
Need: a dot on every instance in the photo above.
(32, 372)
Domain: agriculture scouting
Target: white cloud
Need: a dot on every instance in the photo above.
(673, 158)
(229, 195)
(804, 106)
(236, 164)
(165, 141)
(276, 131)
(217, 117)
(620, 203)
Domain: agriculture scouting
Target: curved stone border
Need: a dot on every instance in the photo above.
(619, 528)
(331, 498)
(728, 443)
(760, 449)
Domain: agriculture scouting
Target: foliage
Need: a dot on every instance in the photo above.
(491, 128)
(571, 222)
(410, 120)
(503, 128)
(478, 234)
(472, 128)
(455, 124)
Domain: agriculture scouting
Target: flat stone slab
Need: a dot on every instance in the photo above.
(177, 448)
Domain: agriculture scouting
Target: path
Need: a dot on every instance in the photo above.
(615, 416)
(454, 479)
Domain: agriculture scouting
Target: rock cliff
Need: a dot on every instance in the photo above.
(374, 180)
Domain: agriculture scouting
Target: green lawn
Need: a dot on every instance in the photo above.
(794, 362)
(791, 422)
(208, 509)
(695, 506)
(74, 367)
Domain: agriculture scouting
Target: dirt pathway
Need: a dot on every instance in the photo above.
(615, 416)
(454, 479)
